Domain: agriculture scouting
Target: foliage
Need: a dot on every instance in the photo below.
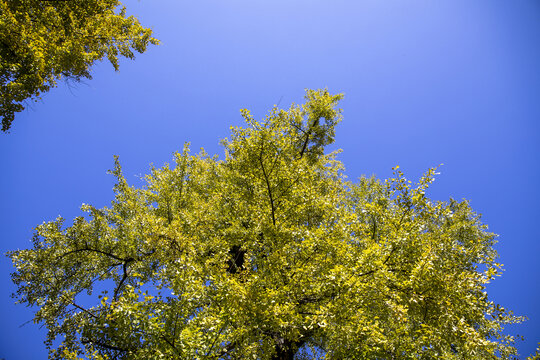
(269, 253)
(42, 42)
(536, 355)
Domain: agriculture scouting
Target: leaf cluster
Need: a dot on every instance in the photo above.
(270, 253)
(42, 42)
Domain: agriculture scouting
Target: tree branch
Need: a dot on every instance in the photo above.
(268, 188)
(105, 345)
(308, 134)
(171, 345)
(124, 277)
(85, 310)
(92, 250)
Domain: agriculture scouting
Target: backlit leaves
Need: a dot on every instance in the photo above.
(42, 42)
(269, 253)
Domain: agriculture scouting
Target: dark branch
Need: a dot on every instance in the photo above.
(105, 345)
(85, 310)
(308, 134)
(171, 344)
(124, 277)
(92, 250)
(268, 189)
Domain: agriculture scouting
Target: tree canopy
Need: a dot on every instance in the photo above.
(42, 42)
(268, 253)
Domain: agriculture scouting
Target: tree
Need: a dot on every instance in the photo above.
(269, 253)
(42, 42)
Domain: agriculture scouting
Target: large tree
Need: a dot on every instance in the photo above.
(42, 42)
(268, 253)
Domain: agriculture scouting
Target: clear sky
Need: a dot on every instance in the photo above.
(426, 82)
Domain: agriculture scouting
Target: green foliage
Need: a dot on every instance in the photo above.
(269, 253)
(42, 42)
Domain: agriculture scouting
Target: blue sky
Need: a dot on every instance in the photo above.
(426, 82)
